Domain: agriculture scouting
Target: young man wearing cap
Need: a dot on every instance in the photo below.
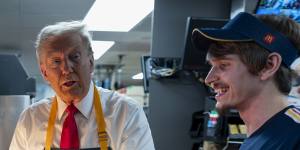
(250, 58)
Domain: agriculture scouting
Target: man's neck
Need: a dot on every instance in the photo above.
(261, 108)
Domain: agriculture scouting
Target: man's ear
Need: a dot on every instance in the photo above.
(273, 63)
(44, 72)
(91, 57)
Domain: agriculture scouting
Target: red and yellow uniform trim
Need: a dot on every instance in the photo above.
(294, 114)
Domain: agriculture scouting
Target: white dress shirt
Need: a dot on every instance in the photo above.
(126, 123)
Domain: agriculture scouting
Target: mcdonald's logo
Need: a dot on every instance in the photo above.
(269, 39)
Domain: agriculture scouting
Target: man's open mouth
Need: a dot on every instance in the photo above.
(69, 83)
(221, 91)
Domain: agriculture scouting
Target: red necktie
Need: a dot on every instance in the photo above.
(69, 136)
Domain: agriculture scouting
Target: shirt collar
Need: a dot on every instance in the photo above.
(84, 106)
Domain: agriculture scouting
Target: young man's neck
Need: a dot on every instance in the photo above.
(261, 108)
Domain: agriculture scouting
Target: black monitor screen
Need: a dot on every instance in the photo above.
(290, 8)
(194, 59)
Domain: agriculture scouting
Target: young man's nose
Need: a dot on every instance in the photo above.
(211, 77)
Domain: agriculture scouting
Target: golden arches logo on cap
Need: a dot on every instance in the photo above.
(269, 39)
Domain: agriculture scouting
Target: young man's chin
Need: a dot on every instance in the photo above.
(222, 110)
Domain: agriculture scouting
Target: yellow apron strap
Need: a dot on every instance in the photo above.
(102, 135)
(51, 122)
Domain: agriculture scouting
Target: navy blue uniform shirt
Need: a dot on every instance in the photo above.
(281, 132)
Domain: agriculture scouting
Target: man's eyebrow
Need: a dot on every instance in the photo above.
(77, 46)
(51, 53)
(221, 58)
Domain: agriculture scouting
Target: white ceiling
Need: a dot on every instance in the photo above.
(21, 20)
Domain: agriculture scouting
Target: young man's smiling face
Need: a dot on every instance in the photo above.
(233, 84)
(67, 65)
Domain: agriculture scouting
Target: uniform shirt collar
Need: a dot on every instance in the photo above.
(84, 106)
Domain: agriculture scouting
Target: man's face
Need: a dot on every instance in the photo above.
(66, 64)
(233, 84)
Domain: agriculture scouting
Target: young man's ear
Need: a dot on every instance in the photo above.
(273, 63)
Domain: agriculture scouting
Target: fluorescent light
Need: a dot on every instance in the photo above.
(117, 15)
(100, 47)
(138, 76)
